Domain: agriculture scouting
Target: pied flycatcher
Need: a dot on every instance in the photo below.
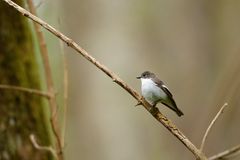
(154, 91)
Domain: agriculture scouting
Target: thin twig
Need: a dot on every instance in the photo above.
(226, 153)
(27, 90)
(65, 86)
(211, 125)
(43, 148)
(233, 155)
(49, 79)
(158, 115)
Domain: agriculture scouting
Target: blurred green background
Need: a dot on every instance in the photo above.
(193, 46)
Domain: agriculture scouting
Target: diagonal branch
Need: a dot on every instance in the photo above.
(210, 126)
(27, 90)
(158, 115)
(226, 153)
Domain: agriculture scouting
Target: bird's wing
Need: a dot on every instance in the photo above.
(171, 103)
(161, 85)
(165, 89)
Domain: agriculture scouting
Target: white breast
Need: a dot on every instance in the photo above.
(151, 92)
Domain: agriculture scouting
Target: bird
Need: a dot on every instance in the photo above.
(155, 91)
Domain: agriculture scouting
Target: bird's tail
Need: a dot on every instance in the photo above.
(174, 107)
(179, 112)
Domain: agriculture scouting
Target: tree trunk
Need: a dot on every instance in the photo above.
(21, 114)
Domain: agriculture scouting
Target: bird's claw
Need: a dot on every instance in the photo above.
(154, 110)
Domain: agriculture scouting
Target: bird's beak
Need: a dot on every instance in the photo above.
(138, 77)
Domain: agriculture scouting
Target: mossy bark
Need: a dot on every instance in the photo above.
(21, 114)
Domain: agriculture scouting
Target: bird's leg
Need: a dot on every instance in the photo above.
(154, 109)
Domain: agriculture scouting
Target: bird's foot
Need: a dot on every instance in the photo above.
(154, 110)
